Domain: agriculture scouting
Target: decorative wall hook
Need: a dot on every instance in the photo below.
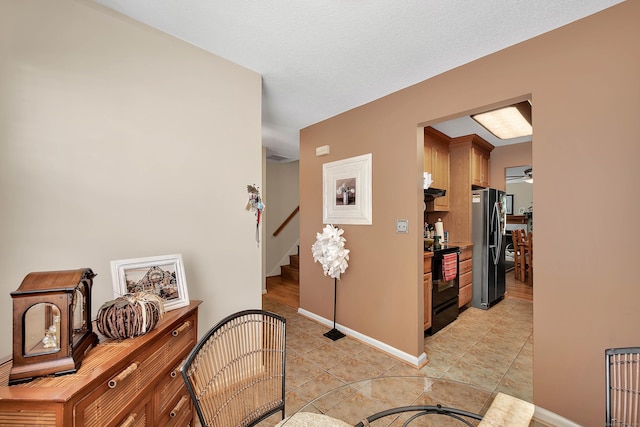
(256, 206)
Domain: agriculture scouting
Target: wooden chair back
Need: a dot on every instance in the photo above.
(236, 372)
(529, 258)
(515, 239)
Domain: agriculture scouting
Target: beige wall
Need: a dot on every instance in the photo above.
(583, 82)
(507, 156)
(283, 197)
(118, 141)
(522, 193)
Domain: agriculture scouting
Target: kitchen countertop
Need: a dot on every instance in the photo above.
(461, 245)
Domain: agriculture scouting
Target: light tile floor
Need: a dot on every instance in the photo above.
(491, 350)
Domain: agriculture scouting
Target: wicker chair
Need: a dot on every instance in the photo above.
(235, 374)
(623, 386)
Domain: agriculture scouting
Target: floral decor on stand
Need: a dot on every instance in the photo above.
(256, 206)
(330, 252)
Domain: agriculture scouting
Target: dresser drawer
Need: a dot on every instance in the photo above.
(116, 395)
(136, 418)
(172, 399)
(180, 412)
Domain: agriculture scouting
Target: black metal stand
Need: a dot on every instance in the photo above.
(334, 334)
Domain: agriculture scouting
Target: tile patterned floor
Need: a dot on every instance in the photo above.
(492, 350)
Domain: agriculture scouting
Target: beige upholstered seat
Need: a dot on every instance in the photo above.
(235, 374)
(309, 419)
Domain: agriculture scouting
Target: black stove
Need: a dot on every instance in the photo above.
(444, 297)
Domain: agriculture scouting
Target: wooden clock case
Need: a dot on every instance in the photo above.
(52, 329)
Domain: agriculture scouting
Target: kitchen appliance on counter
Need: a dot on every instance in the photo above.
(488, 226)
(445, 267)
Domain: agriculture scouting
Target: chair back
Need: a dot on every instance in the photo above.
(623, 386)
(236, 372)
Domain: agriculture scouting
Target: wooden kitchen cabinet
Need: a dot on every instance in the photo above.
(436, 161)
(466, 275)
(469, 158)
(132, 382)
(479, 167)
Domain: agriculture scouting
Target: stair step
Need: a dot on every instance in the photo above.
(289, 272)
(294, 261)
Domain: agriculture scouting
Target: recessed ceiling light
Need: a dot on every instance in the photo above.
(509, 122)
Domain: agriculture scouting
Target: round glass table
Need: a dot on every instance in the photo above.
(395, 401)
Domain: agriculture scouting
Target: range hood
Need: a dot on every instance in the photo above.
(432, 193)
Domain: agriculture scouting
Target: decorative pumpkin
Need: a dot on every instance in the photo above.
(130, 315)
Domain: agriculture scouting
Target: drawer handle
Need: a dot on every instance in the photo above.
(129, 421)
(122, 375)
(179, 405)
(182, 328)
(176, 370)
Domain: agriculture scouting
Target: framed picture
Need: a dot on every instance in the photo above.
(160, 275)
(346, 191)
(509, 201)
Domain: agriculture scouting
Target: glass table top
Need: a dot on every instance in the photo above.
(377, 401)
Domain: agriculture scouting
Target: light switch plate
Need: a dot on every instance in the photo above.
(402, 226)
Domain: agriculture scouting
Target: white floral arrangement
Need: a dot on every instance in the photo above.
(330, 252)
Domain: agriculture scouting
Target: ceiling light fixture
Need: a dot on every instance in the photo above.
(508, 122)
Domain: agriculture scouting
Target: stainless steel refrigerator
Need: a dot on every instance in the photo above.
(488, 224)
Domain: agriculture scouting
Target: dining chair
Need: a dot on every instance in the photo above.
(235, 374)
(515, 240)
(529, 258)
(623, 386)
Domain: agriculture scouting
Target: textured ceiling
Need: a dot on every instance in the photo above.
(321, 58)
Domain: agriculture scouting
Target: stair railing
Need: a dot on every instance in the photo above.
(286, 221)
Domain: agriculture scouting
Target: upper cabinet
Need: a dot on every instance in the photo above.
(479, 166)
(469, 159)
(436, 162)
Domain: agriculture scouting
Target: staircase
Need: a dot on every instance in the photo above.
(291, 272)
(285, 288)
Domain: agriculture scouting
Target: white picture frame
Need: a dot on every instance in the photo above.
(346, 191)
(161, 275)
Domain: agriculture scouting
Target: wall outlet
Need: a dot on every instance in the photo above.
(402, 225)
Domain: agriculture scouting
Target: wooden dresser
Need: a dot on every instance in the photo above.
(133, 382)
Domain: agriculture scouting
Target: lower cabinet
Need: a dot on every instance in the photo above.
(428, 291)
(133, 382)
(466, 278)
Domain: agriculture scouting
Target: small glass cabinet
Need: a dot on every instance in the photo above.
(52, 328)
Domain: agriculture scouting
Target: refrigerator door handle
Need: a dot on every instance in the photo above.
(495, 230)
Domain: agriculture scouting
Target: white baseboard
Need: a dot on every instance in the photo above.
(416, 361)
(547, 417)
